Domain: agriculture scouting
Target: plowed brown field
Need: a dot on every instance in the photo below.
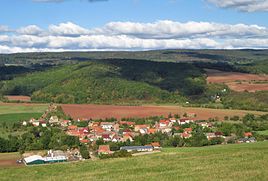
(107, 111)
(19, 98)
(238, 81)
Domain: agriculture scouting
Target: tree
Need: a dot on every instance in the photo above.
(198, 138)
(84, 151)
(226, 118)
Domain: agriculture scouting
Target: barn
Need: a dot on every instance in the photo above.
(34, 160)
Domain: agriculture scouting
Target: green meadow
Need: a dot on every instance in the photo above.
(15, 117)
(265, 133)
(22, 108)
(14, 113)
(224, 162)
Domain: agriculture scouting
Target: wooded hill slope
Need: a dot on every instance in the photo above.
(110, 81)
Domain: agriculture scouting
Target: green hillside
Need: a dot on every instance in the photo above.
(224, 162)
(127, 81)
(111, 81)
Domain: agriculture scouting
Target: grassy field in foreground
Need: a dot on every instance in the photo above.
(224, 162)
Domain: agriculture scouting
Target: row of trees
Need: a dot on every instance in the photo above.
(38, 138)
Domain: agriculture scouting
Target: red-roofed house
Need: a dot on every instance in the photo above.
(163, 123)
(85, 141)
(72, 127)
(185, 121)
(109, 126)
(156, 145)
(106, 137)
(104, 149)
(173, 120)
(185, 135)
(248, 134)
(188, 130)
(141, 126)
(152, 131)
(127, 136)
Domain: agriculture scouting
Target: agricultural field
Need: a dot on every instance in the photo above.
(223, 162)
(85, 111)
(15, 117)
(18, 98)
(13, 108)
(11, 113)
(239, 81)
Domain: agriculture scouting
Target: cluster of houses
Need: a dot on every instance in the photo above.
(122, 131)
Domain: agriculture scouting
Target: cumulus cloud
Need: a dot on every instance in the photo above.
(134, 36)
(171, 29)
(242, 5)
(30, 30)
(67, 29)
(4, 28)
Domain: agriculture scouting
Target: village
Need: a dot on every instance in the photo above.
(100, 134)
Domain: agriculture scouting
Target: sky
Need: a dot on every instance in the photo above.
(132, 25)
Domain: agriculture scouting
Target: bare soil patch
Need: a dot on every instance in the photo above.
(87, 111)
(9, 163)
(238, 81)
(19, 98)
(9, 160)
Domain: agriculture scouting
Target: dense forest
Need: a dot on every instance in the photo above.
(255, 61)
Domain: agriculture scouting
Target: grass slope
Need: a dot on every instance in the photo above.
(227, 162)
(265, 133)
(21, 108)
(15, 117)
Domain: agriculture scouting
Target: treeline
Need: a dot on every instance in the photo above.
(10, 72)
(246, 100)
(38, 138)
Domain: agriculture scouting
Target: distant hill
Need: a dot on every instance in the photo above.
(253, 61)
(164, 77)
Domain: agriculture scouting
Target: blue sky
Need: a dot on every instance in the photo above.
(16, 13)
(81, 18)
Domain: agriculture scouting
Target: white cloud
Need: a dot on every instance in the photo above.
(30, 30)
(68, 29)
(171, 29)
(134, 36)
(4, 28)
(242, 5)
